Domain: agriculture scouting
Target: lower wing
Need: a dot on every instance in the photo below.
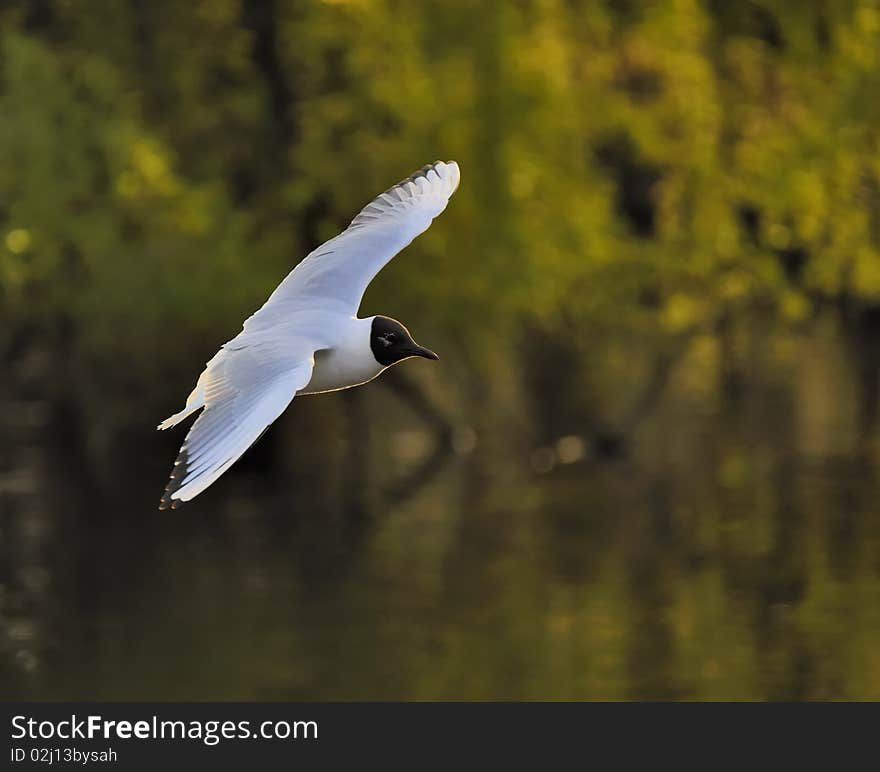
(247, 390)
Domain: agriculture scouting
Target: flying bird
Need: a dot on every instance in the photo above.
(307, 337)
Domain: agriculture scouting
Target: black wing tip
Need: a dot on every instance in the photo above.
(364, 216)
(178, 473)
(423, 172)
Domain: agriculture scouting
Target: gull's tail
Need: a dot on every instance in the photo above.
(194, 401)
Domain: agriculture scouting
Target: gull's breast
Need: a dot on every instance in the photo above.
(342, 368)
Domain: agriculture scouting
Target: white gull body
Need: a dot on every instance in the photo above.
(306, 338)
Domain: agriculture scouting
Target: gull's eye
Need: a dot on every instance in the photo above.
(388, 338)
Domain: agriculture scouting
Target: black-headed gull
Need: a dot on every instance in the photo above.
(307, 337)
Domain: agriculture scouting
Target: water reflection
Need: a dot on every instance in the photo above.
(729, 548)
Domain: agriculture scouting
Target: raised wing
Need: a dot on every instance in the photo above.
(341, 269)
(243, 390)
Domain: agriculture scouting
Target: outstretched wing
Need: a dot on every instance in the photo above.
(245, 390)
(342, 268)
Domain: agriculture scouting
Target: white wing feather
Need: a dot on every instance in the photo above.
(340, 270)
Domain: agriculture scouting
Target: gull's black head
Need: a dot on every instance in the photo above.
(391, 342)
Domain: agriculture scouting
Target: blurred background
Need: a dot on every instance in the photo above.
(647, 463)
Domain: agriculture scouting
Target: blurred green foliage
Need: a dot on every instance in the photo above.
(654, 166)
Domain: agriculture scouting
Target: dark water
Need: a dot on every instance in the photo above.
(730, 548)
